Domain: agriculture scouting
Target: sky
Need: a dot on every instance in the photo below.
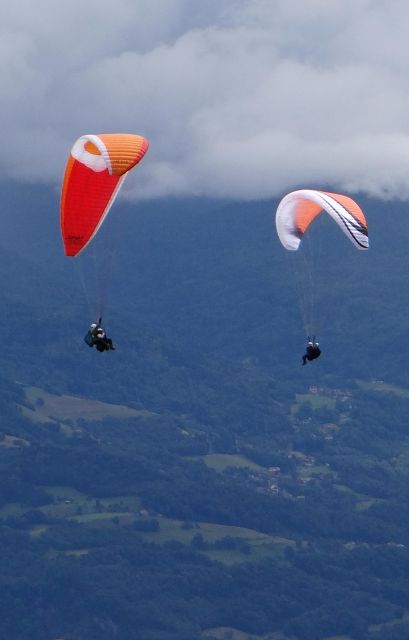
(241, 99)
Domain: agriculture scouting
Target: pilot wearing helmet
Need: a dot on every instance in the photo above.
(312, 351)
(96, 337)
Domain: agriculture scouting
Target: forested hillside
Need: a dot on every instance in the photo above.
(199, 482)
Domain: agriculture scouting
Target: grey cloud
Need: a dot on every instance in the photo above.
(239, 99)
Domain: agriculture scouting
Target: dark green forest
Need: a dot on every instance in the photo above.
(199, 482)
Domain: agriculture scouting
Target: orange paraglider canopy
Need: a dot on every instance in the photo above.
(96, 168)
(298, 209)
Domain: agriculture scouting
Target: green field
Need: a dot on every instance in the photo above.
(321, 470)
(314, 400)
(123, 518)
(261, 545)
(73, 505)
(10, 442)
(172, 530)
(42, 406)
(69, 503)
(363, 501)
(222, 461)
(77, 553)
(235, 556)
(384, 388)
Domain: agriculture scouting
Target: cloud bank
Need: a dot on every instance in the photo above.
(241, 99)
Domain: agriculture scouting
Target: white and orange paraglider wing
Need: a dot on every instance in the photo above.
(298, 209)
(95, 170)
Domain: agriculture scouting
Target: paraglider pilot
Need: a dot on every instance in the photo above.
(96, 337)
(313, 350)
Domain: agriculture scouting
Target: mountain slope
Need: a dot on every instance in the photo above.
(221, 485)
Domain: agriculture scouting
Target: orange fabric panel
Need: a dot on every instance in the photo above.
(306, 211)
(351, 206)
(125, 150)
(85, 198)
(91, 148)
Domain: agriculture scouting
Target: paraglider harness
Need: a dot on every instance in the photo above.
(96, 337)
(313, 350)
